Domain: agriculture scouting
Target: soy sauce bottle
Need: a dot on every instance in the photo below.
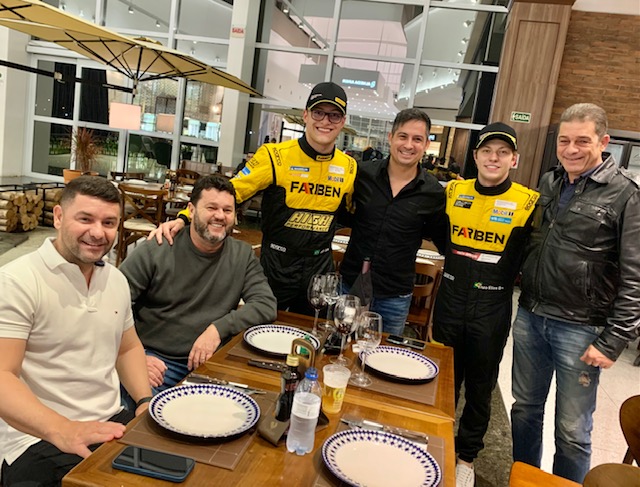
(288, 383)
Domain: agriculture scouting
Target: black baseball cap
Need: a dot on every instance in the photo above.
(498, 130)
(328, 92)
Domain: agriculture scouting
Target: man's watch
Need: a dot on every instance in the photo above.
(143, 401)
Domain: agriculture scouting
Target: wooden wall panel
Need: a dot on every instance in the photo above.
(529, 69)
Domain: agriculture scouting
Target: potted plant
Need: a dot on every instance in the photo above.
(86, 153)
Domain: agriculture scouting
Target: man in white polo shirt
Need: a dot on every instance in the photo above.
(66, 342)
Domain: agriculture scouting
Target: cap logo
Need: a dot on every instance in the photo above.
(340, 101)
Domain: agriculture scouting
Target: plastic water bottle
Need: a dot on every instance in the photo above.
(304, 414)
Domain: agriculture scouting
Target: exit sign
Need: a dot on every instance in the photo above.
(521, 117)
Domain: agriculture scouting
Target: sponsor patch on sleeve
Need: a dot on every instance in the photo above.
(510, 205)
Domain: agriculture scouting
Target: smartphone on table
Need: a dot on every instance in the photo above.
(156, 464)
(406, 341)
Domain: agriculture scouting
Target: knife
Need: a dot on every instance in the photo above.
(200, 378)
(372, 425)
(266, 364)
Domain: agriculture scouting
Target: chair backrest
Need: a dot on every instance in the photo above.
(188, 173)
(630, 424)
(343, 231)
(141, 203)
(338, 256)
(122, 176)
(425, 289)
(426, 283)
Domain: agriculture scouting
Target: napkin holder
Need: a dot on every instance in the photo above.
(306, 354)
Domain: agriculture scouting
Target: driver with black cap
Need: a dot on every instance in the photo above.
(489, 222)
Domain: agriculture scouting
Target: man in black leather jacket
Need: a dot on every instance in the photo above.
(580, 301)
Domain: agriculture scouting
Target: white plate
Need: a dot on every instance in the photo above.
(377, 459)
(204, 410)
(429, 254)
(401, 364)
(276, 339)
(135, 182)
(341, 239)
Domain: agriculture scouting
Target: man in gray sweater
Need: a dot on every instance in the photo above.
(185, 296)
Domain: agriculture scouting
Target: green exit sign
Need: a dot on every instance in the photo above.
(522, 117)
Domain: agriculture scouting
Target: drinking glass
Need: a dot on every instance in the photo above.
(346, 317)
(315, 295)
(368, 336)
(331, 291)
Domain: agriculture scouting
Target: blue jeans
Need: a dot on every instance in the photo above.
(394, 311)
(176, 371)
(542, 346)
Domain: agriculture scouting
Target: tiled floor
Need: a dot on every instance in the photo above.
(616, 385)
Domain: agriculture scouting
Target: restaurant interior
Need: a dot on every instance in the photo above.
(465, 62)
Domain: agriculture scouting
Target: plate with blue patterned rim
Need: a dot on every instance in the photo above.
(276, 339)
(204, 410)
(400, 364)
(369, 458)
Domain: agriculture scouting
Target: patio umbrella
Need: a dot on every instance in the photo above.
(138, 59)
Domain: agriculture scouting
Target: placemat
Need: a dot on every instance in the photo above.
(422, 393)
(326, 479)
(219, 453)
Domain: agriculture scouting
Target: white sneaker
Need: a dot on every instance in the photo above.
(465, 476)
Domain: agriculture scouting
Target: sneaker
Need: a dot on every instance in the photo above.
(465, 476)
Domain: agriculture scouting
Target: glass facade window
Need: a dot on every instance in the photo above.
(51, 148)
(141, 15)
(95, 99)
(150, 155)
(210, 53)
(157, 97)
(202, 111)
(55, 99)
(204, 18)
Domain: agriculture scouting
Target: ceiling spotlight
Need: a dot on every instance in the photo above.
(158, 24)
(467, 23)
(460, 53)
(285, 10)
(192, 52)
(301, 25)
(465, 40)
(63, 6)
(130, 9)
(313, 38)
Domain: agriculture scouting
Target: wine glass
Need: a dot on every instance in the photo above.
(368, 336)
(315, 295)
(346, 317)
(331, 291)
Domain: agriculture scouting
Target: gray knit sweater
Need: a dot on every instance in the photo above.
(178, 291)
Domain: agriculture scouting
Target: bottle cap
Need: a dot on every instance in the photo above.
(293, 360)
(311, 373)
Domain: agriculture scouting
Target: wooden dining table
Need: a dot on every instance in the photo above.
(264, 464)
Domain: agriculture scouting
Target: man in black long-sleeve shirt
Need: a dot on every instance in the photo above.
(397, 204)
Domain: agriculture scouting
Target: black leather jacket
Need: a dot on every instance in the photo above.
(583, 264)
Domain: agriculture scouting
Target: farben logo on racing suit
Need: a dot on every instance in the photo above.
(315, 188)
(479, 235)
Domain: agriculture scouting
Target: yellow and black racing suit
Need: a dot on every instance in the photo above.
(303, 191)
(488, 229)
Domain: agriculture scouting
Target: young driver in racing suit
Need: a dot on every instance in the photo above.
(489, 221)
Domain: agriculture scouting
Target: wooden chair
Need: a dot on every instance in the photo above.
(141, 211)
(338, 256)
(426, 286)
(630, 424)
(122, 176)
(344, 231)
(524, 475)
(187, 176)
